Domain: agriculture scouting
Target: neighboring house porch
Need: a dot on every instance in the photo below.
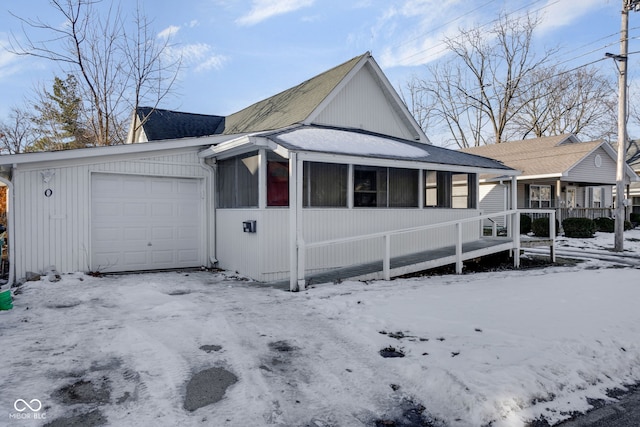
(575, 178)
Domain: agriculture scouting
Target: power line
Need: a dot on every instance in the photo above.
(507, 15)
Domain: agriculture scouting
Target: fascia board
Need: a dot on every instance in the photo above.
(401, 107)
(237, 146)
(409, 164)
(107, 151)
(545, 176)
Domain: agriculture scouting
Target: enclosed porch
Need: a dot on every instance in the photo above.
(287, 211)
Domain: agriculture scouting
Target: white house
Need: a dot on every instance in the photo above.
(329, 174)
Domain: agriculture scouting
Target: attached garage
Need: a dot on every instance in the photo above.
(122, 208)
(145, 222)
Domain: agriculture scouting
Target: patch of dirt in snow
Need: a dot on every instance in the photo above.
(207, 387)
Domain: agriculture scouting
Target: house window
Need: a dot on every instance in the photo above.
(571, 197)
(450, 190)
(238, 182)
(595, 197)
(385, 187)
(635, 204)
(369, 186)
(324, 185)
(539, 196)
(403, 188)
(438, 186)
(462, 190)
(277, 182)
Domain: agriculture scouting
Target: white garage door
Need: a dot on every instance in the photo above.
(145, 223)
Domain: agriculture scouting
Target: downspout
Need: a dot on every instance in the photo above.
(210, 212)
(10, 231)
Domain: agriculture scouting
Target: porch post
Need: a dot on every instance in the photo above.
(515, 223)
(296, 259)
(559, 201)
(459, 263)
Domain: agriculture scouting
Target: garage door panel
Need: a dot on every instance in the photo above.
(188, 233)
(135, 234)
(162, 233)
(164, 210)
(188, 188)
(187, 256)
(134, 209)
(107, 234)
(108, 209)
(162, 257)
(132, 258)
(106, 259)
(144, 223)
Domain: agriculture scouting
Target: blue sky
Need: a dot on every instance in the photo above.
(237, 52)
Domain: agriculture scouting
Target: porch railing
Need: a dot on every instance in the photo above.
(297, 280)
(563, 213)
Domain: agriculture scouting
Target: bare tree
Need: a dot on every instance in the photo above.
(478, 88)
(152, 70)
(110, 65)
(420, 105)
(555, 102)
(18, 132)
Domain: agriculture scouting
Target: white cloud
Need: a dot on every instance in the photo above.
(199, 56)
(9, 62)
(411, 32)
(170, 31)
(214, 62)
(265, 9)
(557, 14)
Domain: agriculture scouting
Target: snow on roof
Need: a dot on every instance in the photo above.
(359, 143)
(350, 143)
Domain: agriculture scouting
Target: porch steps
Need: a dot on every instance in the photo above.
(407, 264)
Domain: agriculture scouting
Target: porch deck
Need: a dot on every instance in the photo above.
(407, 264)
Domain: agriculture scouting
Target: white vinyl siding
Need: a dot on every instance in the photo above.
(55, 230)
(264, 255)
(362, 105)
(587, 171)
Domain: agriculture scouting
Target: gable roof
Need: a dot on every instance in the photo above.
(291, 106)
(552, 155)
(166, 124)
(303, 103)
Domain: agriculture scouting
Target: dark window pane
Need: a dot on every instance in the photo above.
(325, 184)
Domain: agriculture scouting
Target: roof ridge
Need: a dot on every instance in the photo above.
(259, 115)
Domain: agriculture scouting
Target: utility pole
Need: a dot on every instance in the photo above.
(621, 59)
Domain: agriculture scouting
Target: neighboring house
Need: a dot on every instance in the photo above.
(560, 172)
(316, 178)
(154, 124)
(634, 188)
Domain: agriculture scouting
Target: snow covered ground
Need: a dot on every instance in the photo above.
(499, 348)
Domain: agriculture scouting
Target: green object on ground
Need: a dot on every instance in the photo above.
(6, 302)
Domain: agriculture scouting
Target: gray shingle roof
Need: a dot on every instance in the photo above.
(292, 106)
(167, 124)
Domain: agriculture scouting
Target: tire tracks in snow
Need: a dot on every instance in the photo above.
(289, 375)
